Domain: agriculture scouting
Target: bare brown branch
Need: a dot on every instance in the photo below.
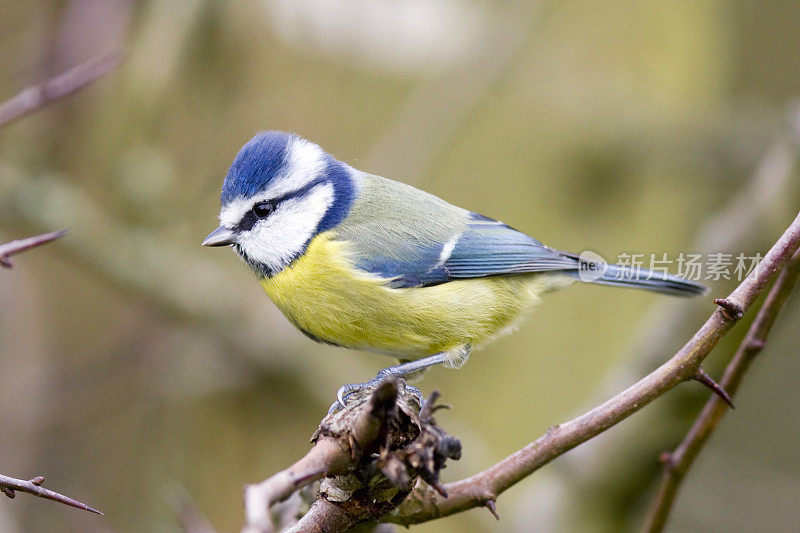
(14, 247)
(737, 225)
(677, 463)
(10, 486)
(425, 504)
(38, 96)
(338, 444)
(372, 452)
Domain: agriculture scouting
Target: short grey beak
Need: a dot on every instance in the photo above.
(221, 236)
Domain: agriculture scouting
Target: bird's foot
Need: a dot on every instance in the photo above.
(398, 371)
(347, 392)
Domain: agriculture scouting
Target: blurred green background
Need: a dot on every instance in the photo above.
(136, 365)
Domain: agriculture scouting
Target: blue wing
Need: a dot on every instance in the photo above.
(491, 248)
(485, 247)
(413, 239)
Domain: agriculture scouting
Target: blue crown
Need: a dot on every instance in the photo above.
(256, 165)
(266, 156)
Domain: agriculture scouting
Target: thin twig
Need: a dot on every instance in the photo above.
(425, 504)
(677, 463)
(9, 486)
(14, 247)
(38, 96)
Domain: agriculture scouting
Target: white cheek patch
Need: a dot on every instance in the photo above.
(278, 239)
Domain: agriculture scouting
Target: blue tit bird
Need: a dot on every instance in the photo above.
(364, 262)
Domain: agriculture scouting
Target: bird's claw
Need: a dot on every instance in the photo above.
(345, 391)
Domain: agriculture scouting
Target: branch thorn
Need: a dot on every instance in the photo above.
(732, 310)
(667, 460)
(701, 376)
(756, 345)
(14, 247)
(490, 504)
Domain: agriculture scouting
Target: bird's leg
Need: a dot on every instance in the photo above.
(399, 371)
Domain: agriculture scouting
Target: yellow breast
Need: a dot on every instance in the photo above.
(324, 296)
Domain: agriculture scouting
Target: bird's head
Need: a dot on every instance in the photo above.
(280, 192)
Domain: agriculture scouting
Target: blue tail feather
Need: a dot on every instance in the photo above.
(638, 278)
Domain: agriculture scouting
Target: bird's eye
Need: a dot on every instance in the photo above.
(263, 209)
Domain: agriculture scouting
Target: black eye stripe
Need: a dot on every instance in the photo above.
(250, 218)
(247, 222)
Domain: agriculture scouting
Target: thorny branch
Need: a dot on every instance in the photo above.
(738, 225)
(10, 486)
(483, 488)
(677, 463)
(35, 97)
(14, 247)
(28, 101)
